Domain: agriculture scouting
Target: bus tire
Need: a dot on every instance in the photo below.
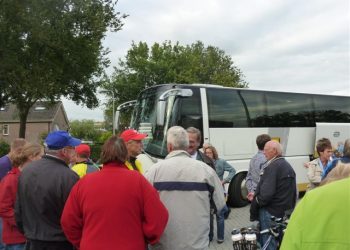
(237, 191)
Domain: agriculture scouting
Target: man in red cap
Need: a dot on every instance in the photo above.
(133, 141)
(83, 163)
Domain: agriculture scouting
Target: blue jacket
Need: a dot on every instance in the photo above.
(221, 166)
(5, 165)
(334, 163)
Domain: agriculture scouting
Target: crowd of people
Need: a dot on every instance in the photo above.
(320, 219)
(54, 197)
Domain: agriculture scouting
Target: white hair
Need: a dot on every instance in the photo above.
(178, 138)
(279, 149)
(276, 146)
(51, 151)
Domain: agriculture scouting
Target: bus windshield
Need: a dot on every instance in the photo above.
(145, 121)
(179, 110)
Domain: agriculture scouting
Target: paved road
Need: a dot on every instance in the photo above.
(239, 217)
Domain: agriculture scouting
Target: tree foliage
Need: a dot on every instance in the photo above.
(146, 66)
(53, 48)
(87, 131)
(4, 148)
(84, 130)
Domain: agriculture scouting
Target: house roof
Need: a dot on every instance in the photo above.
(39, 112)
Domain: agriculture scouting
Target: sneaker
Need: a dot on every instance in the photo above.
(220, 241)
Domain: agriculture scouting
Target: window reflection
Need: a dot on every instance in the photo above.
(248, 108)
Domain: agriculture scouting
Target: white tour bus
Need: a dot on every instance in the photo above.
(232, 118)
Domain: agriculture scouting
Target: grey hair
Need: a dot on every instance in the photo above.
(346, 151)
(276, 146)
(178, 138)
(51, 151)
(196, 131)
(279, 149)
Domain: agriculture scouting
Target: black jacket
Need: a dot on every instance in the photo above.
(276, 190)
(202, 157)
(43, 189)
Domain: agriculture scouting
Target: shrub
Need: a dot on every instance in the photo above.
(4, 148)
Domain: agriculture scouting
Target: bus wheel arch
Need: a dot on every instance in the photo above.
(237, 191)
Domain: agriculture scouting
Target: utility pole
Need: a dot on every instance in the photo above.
(113, 121)
(105, 91)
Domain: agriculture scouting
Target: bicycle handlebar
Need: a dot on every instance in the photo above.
(246, 238)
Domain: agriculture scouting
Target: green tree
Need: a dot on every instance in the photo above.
(4, 148)
(53, 48)
(85, 130)
(2, 97)
(146, 66)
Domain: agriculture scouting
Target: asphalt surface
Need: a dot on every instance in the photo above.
(239, 217)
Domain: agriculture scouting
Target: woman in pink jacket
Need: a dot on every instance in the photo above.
(11, 236)
(114, 208)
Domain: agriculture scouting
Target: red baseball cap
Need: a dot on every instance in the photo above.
(132, 134)
(83, 149)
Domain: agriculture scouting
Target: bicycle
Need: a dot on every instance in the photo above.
(247, 238)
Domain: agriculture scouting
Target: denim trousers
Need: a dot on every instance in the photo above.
(220, 223)
(265, 223)
(15, 246)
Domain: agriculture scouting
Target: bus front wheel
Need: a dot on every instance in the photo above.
(237, 191)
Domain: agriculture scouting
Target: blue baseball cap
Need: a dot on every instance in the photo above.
(60, 139)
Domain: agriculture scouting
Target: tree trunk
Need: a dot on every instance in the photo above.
(23, 114)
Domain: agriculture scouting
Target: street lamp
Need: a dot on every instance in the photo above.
(113, 121)
(113, 115)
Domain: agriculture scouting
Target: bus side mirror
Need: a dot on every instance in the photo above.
(120, 108)
(116, 121)
(164, 97)
(160, 112)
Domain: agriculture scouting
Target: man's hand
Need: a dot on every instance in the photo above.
(250, 196)
(306, 164)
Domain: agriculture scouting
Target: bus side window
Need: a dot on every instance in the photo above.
(332, 108)
(225, 109)
(256, 107)
(289, 110)
(190, 111)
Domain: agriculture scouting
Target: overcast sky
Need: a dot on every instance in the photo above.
(286, 45)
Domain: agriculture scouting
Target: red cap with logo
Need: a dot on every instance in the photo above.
(132, 134)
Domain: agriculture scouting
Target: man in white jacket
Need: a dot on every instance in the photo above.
(186, 187)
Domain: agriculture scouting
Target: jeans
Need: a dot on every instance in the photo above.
(15, 246)
(220, 223)
(265, 223)
(2, 245)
